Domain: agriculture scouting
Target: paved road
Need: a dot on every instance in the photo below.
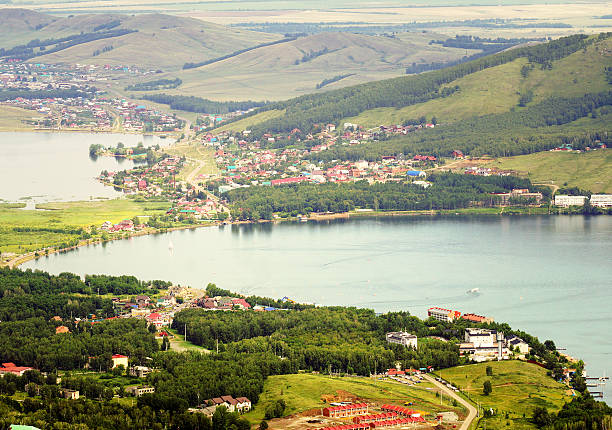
(471, 409)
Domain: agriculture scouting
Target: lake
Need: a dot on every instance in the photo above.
(48, 166)
(550, 276)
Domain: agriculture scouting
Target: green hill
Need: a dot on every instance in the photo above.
(299, 66)
(186, 39)
(476, 76)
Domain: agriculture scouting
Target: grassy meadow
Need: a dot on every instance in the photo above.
(588, 170)
(304, 391)
(63, 217)
(518, 388)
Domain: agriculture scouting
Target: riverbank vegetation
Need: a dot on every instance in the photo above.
(448, 191)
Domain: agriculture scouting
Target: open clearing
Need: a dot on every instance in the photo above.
(200, 160)
(51, 227)
(518, 387)
(302, 392)
(588, 170)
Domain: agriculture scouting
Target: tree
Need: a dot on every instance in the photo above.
(550, 345)
(541, 417)
(263, 425)
(489, 371)
(487, 388)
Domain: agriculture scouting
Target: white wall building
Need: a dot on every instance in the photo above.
(601, 200)
(567, 201)
(402, 338)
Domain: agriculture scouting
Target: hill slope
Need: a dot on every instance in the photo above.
(175, 40)
(296, 67)
(442, 85)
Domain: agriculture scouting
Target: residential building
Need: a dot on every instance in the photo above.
(601, 200)
(120, 360)
(514, 342)
(477, 318)
(567, 201)
(138, 391)
(15, 370)
(140, 371)
(483, 345)
(481, 336)
(243, 405)
(442, 314)
(344, 411)
(402, 338)
(70, 394)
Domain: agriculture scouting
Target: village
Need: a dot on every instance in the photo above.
(86, 106)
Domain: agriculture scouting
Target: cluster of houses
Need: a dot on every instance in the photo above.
(137, 117)
(220, 303)
(79, 113)
(364, 419)
(239, 404)
(154, 181)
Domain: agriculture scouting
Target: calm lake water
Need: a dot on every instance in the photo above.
(550, 276)
(48, 166)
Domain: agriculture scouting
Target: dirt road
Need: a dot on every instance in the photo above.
(471, 409)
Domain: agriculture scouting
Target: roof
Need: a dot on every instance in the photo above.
(119, 356)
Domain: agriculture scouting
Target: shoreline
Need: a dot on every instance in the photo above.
(23, 258)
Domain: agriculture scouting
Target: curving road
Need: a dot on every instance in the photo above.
(471, 409)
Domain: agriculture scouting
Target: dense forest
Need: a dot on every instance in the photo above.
(200, 105)
(157, 84)
(43, 94)
(448, 191)
(306, 111)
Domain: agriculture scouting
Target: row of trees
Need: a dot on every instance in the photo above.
(198, 104)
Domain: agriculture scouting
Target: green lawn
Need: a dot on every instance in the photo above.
(303, 392)
(65, 215)
(588, 170)
(518, 387)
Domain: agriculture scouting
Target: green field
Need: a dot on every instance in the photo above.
(303, 392)
(590, 170)
(518, 388)
(64, 216)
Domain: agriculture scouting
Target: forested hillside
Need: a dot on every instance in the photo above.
(304, 112)
(251, 346)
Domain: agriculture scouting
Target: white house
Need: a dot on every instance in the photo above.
(601, 200)
(514, 342)
(402, 338)
(567, 201)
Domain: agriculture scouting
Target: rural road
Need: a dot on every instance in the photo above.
(471, 409)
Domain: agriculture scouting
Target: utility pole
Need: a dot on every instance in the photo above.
(185, 332)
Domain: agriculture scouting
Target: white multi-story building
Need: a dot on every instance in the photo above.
(601, 200)
(402, 338)
(567, 201)
(442, 314)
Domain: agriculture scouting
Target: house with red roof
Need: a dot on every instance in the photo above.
(15, 370)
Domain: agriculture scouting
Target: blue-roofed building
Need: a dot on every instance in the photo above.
(416, 173)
